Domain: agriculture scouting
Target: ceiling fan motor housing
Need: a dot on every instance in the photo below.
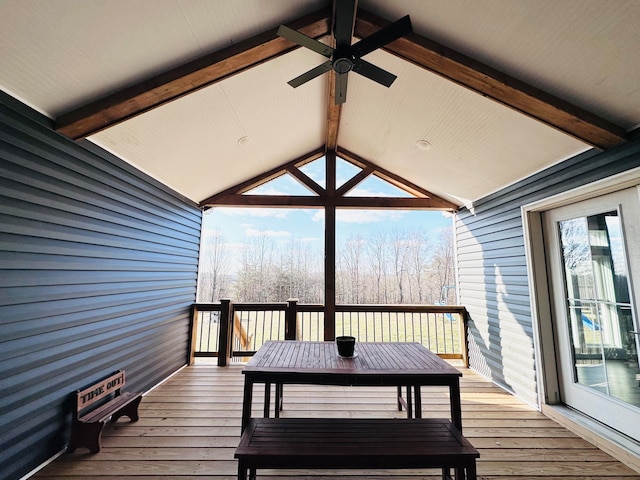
(343, 60)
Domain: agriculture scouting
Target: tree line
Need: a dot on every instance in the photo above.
(387, 267)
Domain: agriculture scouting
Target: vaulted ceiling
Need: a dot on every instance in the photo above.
(195, 93)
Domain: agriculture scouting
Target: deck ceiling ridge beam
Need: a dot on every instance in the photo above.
(489, 82)
(154, 92)
(334, 113)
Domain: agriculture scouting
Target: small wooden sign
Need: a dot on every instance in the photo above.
(100, 390)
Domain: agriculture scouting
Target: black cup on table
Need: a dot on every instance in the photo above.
(346, 346)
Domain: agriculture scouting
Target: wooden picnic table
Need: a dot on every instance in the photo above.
(377, 363)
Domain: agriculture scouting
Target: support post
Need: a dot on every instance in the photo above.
(330, 248)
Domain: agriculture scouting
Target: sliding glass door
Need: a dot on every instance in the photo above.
(593, 258)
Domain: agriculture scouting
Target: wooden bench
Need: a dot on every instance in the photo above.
(87, 425)
(332, 443)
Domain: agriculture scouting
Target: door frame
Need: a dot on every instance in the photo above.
(546, 361)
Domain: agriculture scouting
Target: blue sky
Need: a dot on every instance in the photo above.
(284, 225)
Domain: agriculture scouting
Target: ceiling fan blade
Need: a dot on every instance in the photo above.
(344, 16)
(376, 74)
(341, 88)
(385, 35)
(311, 74)
(304, 41)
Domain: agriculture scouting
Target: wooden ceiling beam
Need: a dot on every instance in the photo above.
(333, 115)
(300, 201)
(496, 85)
(304, 180)
(260, 179)
(173, 84)
(397, 180)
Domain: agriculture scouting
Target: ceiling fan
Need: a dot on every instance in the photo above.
(346, 57)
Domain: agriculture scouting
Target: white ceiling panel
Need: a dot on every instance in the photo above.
(583, 51)
(477, 145)
(59, 54)
(226, 133)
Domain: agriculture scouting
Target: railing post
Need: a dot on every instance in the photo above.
(464, 344)
(225, 332)
(291, 320)
(194, 334)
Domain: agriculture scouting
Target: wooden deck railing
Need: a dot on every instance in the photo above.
(228, 330)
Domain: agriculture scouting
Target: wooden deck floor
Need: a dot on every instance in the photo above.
(189, 428)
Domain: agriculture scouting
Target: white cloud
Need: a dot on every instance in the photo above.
(362, 216)
(252, 232)
(363, 192)
(266, 190)
(253, 212)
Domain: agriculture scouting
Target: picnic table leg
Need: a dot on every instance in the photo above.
(408, 402)
(246, 402)
(418, 405)
(456, 406)
(278, 401)
(471, 471)
(267, 399)
(242, 470)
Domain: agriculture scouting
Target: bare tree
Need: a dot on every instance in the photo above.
(254, 283)
(351, 257)
(213, 278)
(417, 252)
(299, 273)
(377, 254)
(399, 259)
(442, 268)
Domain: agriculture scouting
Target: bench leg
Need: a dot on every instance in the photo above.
(86, 435)
(242, 471)
(130, 411)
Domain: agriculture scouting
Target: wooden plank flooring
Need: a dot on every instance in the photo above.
(189, 428)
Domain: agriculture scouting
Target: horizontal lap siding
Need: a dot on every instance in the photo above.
(492, 269)
(98, 268)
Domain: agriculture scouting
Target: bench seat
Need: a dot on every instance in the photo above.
(333, 443)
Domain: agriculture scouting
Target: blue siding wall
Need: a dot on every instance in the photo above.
(492, 266)
(98, 268)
